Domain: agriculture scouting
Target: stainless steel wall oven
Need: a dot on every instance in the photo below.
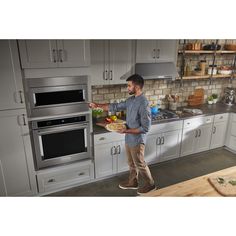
(61, 140)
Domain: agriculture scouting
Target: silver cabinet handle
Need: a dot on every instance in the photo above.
(102, 138)
(221, 117)
(51, 180)
(21, 97)
(24, 120)
(21, 120)
(214, 130)
(162, 140)
(111, 75)
(118, 148)
(54, 54)
(81, 173)
(105, 77)
(158, 141)
(154, 53)
(61, 55)
(200, 132)
(158, 53)
(196, 133)
(113, 150)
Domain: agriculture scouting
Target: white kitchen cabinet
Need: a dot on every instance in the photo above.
(231, 133)
(109, 154)
(54, 53)
(196, 135)
(17, 175)
(219, 130)
(112, 61)
(151, 51)
(11, 89)
(163, 142)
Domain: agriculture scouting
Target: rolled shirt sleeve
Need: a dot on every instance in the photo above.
(113, 107)
(145, 118)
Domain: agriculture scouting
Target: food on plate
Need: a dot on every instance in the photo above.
(115, 126)
(114, 118)
(109, 120)
(97, 111)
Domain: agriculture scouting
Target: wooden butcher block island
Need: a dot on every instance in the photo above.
(199, 186)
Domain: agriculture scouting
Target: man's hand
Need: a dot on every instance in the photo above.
(93, 105)
(122, 131)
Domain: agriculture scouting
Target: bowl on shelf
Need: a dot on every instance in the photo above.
(212, 46)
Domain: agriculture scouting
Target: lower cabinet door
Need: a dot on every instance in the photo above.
(204, 138)
(104, 156)
(218, 135)
(188, 143)
(152, 149)
(170, 146)
(122, 164)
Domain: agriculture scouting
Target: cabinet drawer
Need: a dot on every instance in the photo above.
(108, 137)
(233, 128)
(221, 117)
(196, 122)
(165, 127)
(61, 177)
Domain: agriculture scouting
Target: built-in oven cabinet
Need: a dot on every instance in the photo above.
(109, 154)
(17, 174)
(112, 61)
(62, 177)
(11, 88)
(54, 53)
(151, 51)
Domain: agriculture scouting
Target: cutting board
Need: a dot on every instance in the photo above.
(225, 185)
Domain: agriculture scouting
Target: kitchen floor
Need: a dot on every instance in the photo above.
(164, 174)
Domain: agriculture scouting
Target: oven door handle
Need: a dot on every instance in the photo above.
(51, 130)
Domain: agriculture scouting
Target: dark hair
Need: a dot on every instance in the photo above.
(137, 80)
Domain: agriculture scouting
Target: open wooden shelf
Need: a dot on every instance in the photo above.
(205, 77)
(206, 52)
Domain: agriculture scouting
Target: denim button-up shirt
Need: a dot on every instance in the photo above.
(138, 115)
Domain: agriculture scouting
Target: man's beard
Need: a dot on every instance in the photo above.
(131, 92)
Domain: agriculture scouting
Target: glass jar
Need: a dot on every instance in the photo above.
(212, 69)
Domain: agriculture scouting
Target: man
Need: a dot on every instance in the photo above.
(138, 123)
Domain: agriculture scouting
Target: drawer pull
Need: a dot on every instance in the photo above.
(188, 123)
(221, 117)
(81, 173)
(51, 180)
(102, 138)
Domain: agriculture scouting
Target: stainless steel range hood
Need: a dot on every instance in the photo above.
(162, 70)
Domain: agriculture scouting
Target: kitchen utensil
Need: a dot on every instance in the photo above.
(212, 46)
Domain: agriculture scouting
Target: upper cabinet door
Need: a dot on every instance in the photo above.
(38, 53)
(166, 51)
(73, 53)
(99, 62)
(121, 59)
(11, 91)
(146, 51)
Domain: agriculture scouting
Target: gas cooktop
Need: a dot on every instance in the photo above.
(164, 115)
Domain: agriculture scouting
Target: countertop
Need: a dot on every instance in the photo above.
(213, 109)
(199, 186)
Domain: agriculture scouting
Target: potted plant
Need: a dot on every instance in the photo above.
(215, 96)
(210, 100)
